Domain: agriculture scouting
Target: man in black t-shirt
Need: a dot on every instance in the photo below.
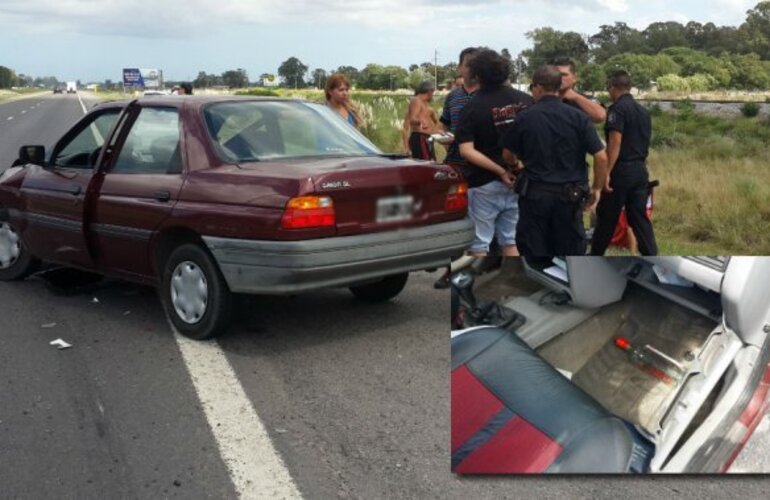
(628, 130)
(483, 120)
(552, 139)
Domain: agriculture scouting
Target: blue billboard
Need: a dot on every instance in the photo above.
(141, 77)
(132, 77)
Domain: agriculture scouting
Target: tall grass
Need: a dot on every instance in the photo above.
(714, 195)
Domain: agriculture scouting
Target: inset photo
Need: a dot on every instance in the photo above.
(611, 365)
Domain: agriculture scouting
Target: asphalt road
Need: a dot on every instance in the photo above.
(353, 398)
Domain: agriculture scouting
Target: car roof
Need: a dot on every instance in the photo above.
(197, 101)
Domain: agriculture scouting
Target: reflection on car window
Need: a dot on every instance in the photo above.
(152, 145)
(245, 131)
(78, 152)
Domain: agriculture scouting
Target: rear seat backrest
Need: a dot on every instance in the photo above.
(514, 413)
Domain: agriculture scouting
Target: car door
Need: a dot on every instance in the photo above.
(53, 196)
(136, 189)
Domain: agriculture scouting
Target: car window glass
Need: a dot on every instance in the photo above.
(246, 131)
(152, 144)
(77, 152)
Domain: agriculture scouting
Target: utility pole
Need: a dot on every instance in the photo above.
(435, 67)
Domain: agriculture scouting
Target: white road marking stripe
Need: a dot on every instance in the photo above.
(85, 111)
(23, 111)
(255, 467)
(10, 118)
(97, 135)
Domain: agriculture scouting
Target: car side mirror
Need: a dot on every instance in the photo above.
(32, 154)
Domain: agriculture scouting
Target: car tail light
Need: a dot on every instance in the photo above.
(308, 211)
(457, 197)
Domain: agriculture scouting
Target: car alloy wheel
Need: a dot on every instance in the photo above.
(16, 262)
(195, 296)
(10, 246)
(189, 292)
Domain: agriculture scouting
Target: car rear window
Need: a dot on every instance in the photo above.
(246, 131)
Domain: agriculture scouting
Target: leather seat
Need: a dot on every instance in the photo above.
(514, 413)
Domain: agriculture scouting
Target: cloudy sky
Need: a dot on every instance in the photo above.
(94, 39)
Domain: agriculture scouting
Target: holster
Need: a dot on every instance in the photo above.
(574, 193)
(521, 186)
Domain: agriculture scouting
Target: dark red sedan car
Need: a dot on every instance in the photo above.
(210, 196)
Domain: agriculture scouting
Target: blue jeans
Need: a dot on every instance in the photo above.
(494, 210)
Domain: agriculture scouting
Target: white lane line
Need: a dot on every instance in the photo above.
(23, 111)
(255, 467)
(97, 135)
(10, 118)
(85, 111)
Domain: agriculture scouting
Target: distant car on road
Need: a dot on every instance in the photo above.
(210, 196)
(58, 90)
(72, 87)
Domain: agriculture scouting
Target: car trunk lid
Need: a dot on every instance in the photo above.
(376, 193)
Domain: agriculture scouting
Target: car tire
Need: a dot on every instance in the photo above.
(195, 296)
(380, 291)
(16, 262)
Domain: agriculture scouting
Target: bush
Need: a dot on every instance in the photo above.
(655, 109)
(258, 92)
(684, 107)
(750, 109)
(672, 82)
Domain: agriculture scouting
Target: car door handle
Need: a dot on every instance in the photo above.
(74, 189)
(163, 196)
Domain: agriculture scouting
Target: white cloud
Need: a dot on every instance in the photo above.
(187, 18)
(614, 5)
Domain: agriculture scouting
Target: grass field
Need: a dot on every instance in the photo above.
(714, 196)
(6, 95)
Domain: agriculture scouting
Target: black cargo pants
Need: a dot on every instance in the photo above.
(629, 183)
(549, 226)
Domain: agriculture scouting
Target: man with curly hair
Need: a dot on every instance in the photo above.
(483, 121)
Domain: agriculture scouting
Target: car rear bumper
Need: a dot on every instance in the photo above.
(285, 267)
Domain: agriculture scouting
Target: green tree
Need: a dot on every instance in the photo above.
(377, 77)
(593, 77)
(549, 43)
(756, 30)
(206, 80)
(418, 76)
(319, 77)
(748, 71)
(643, 68)
(659, 36)
(235, 78)
(351, 73)
(293, 72)
(616, 39)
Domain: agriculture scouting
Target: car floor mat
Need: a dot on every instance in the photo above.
(619, 383)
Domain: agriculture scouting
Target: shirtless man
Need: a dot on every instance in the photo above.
(422, 122)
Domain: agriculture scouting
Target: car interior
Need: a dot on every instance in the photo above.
(622, 364)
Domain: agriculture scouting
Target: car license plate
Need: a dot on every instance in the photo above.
(395, 208)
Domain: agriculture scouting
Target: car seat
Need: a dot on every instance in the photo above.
(514, 413)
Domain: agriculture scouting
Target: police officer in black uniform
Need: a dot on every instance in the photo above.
(551, 139)
(628, 131)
